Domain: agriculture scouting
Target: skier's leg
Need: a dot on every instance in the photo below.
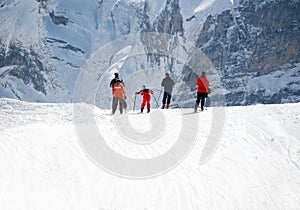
(198, 98)
(121, 105)
(148, 104)
(124, 104)
(164, 99)
(169, 100)
(197, 102)
(204, 96)
(143, 104)
(202, 101)
(115, 104)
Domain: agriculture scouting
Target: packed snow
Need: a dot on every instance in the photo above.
(254, 165)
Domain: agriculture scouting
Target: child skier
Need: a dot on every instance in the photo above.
(145, 92)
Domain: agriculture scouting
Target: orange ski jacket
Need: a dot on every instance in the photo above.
(118, 90)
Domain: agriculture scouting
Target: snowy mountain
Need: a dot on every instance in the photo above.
(45, 164)
(256, 49)
(250, 51)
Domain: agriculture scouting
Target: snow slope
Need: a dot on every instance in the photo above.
(254, 165)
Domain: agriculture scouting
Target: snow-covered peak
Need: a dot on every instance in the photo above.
(19, 22)
(196, 12)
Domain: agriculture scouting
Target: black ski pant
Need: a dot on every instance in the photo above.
(166, 98)
(201, 97)
(117, 101)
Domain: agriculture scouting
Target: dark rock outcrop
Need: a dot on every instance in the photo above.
(25, 65)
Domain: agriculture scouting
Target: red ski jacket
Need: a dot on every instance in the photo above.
(203, 85)
(145, 92)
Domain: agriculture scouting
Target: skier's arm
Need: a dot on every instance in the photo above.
(163, 83)
(112, 82)
(122, 82)
(199, 82)
(124, 94)
(123, 89)
(138, 92)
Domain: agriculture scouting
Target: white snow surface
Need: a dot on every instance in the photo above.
(255, 166)
(204, 5)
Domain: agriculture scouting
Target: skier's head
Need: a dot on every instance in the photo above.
(144, 86)
(116, 75)
(203, 74)
(167, 74)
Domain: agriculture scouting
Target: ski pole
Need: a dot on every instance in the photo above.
(160, 93)
(130, 98)
(134, 103)
(155, 101)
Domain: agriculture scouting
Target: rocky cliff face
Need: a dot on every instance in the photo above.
(24, 64)
(169, 21)
(254, 40)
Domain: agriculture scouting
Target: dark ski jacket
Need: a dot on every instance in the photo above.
(168, 84)
(114, 80)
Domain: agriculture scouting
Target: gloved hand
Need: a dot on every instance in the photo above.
(125, 97)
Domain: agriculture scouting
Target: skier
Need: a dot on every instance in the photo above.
(145, 92)
(167, 83)
(112, 82)
(118, 96)
(202, 92)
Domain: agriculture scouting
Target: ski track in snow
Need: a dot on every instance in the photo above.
(256, 165)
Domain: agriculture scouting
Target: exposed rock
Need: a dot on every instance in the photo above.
(254, 39)
(58, 19)
(26, 65)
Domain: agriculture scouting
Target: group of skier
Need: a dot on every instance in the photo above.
(119, 94)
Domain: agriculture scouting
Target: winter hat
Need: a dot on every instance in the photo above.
(116, 75)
